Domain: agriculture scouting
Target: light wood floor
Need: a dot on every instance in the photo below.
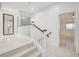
(67, 42)
(68, 51)
(62, 52)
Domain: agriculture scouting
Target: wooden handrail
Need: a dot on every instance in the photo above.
(39, 28)
(48, 34)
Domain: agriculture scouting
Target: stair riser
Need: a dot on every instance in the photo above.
(30, 52)
(35, 55)
(39, 55)
(10, 53)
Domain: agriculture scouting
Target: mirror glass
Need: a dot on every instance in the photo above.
(8, 24)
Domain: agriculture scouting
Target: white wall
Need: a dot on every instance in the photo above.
(24, 30)
(9, 42)
(36, 34)
(1, 22)
(49, 18)
(5, 39)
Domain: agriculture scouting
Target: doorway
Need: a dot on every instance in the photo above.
(67, 30)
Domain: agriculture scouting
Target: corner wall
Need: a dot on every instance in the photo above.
(49, 19)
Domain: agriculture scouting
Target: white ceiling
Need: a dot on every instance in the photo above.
(30, 7)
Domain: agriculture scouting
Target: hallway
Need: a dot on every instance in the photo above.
(39, 29)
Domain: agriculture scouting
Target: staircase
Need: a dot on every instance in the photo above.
(24, 50)
(24, 46)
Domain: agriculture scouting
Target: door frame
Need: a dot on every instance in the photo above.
(75, 19)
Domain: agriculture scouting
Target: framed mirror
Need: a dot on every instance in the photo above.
(8, 24)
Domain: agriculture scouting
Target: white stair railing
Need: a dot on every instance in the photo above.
(39, 38)
(40, 41)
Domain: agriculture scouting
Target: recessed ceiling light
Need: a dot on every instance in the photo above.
(32, 8)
